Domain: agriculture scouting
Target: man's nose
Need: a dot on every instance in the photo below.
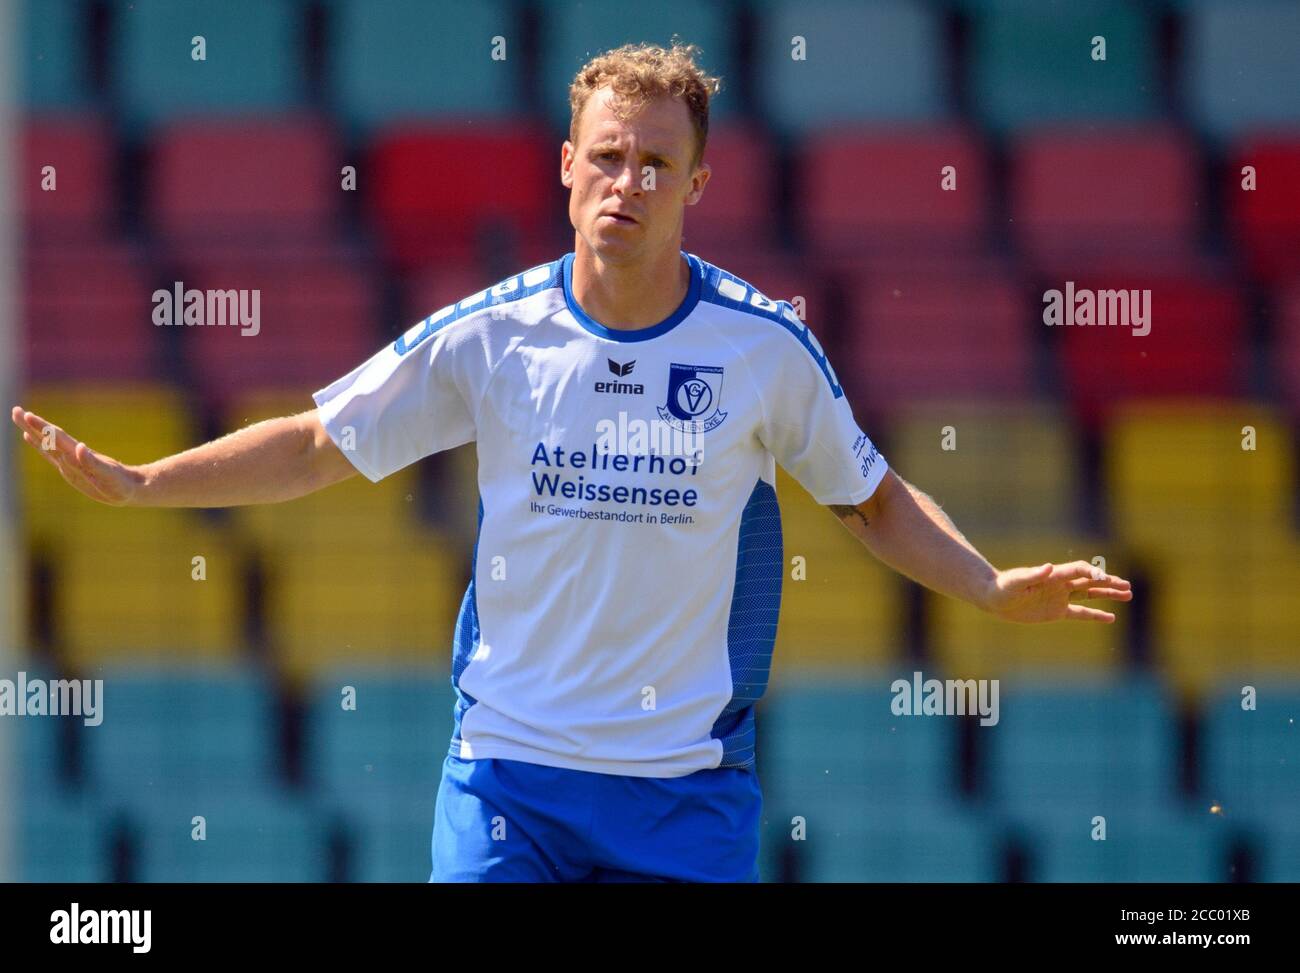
(629, 179)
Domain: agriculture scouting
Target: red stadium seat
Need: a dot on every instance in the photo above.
(1286, 345)
(317, 320)
(739, 205)
(80, 150)
(443, 191)
(1118, 192)
(920, 333)
(874, 189)
(87, 314)
(1265, 221)
(269, 181)
(1195, 348)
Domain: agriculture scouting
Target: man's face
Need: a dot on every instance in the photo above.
(607, 173)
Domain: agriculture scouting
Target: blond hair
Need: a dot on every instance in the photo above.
(638, 72)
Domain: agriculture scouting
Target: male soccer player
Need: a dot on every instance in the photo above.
(629, 403)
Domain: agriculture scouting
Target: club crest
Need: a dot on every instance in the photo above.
(694, 397)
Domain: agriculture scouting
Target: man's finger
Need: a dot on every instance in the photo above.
(1086, 614)
(1024, 577)
(1114, 594)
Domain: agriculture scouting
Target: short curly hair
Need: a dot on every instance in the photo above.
(639, 72)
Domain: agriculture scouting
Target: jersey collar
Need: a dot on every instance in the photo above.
(639, 334)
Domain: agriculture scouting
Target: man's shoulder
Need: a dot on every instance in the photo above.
(508, 300)
(762, 322)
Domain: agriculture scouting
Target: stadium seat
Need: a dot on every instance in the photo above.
(968, 643)
(54, 71)
(878, 62)
(739, 206)
(316, 320)
(246, 838)
(174, 732)
(833, 740)
(572, 31)
(444, 192)
(351, 573)
(877, 189)
(1286, 353)
(1173, 847)
(1265, 221)
(1252, 756)
(883, 842)
(377, 766)
(995, 470)
(1128, 193)
(1195, 346)
(254, 58)
(1032, 64)
(1239, 65)
(1227, 611)
(1070, 749)
(80, 203)
(61, 839)
(1180, 483)
(126, 583)
(928, 335)
(840, 608)
(87, 314)
(249, 181)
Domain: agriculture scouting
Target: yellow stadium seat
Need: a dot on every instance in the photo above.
(969, 643)
(840, 607)
(384, 601)
(1179, 481)
(999, 468)
(1229, 614)
(147, 599)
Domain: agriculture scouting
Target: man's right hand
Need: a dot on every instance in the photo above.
(98, 476)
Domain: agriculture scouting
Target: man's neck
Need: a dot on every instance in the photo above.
(630, 296)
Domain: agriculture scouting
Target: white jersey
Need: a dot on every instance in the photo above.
(627, 575)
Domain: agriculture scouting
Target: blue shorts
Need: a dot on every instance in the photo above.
(510, 821)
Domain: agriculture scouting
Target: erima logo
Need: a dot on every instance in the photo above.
(621, 370)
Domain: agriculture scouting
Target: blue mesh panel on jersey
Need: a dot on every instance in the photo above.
(751, 629)
(465, 642)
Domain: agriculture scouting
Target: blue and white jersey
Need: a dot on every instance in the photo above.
(627, 574)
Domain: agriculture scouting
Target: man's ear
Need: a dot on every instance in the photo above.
(701, 179)
(566, 164)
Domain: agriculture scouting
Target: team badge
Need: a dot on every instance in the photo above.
(694, 396)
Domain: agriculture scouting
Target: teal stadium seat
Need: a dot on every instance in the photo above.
(1163, 848)
(574, 30)
(1062, 754)
(876, 62)
(246, 838)
(1252, 757)
(186, 733)
(1239, 65)
(255, 58)
(61, 839)
(392, 61)
(377, 768)
(54, 70)
(1032, 63)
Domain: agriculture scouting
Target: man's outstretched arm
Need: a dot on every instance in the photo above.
(267, 462)
(907, 530)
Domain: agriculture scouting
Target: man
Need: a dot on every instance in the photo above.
(629, 403)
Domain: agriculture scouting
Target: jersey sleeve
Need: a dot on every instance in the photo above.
(808, 424)
(413, 398)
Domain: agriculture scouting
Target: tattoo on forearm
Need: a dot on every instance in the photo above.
(846, 511)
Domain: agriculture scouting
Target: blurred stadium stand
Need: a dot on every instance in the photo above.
(226, 694)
